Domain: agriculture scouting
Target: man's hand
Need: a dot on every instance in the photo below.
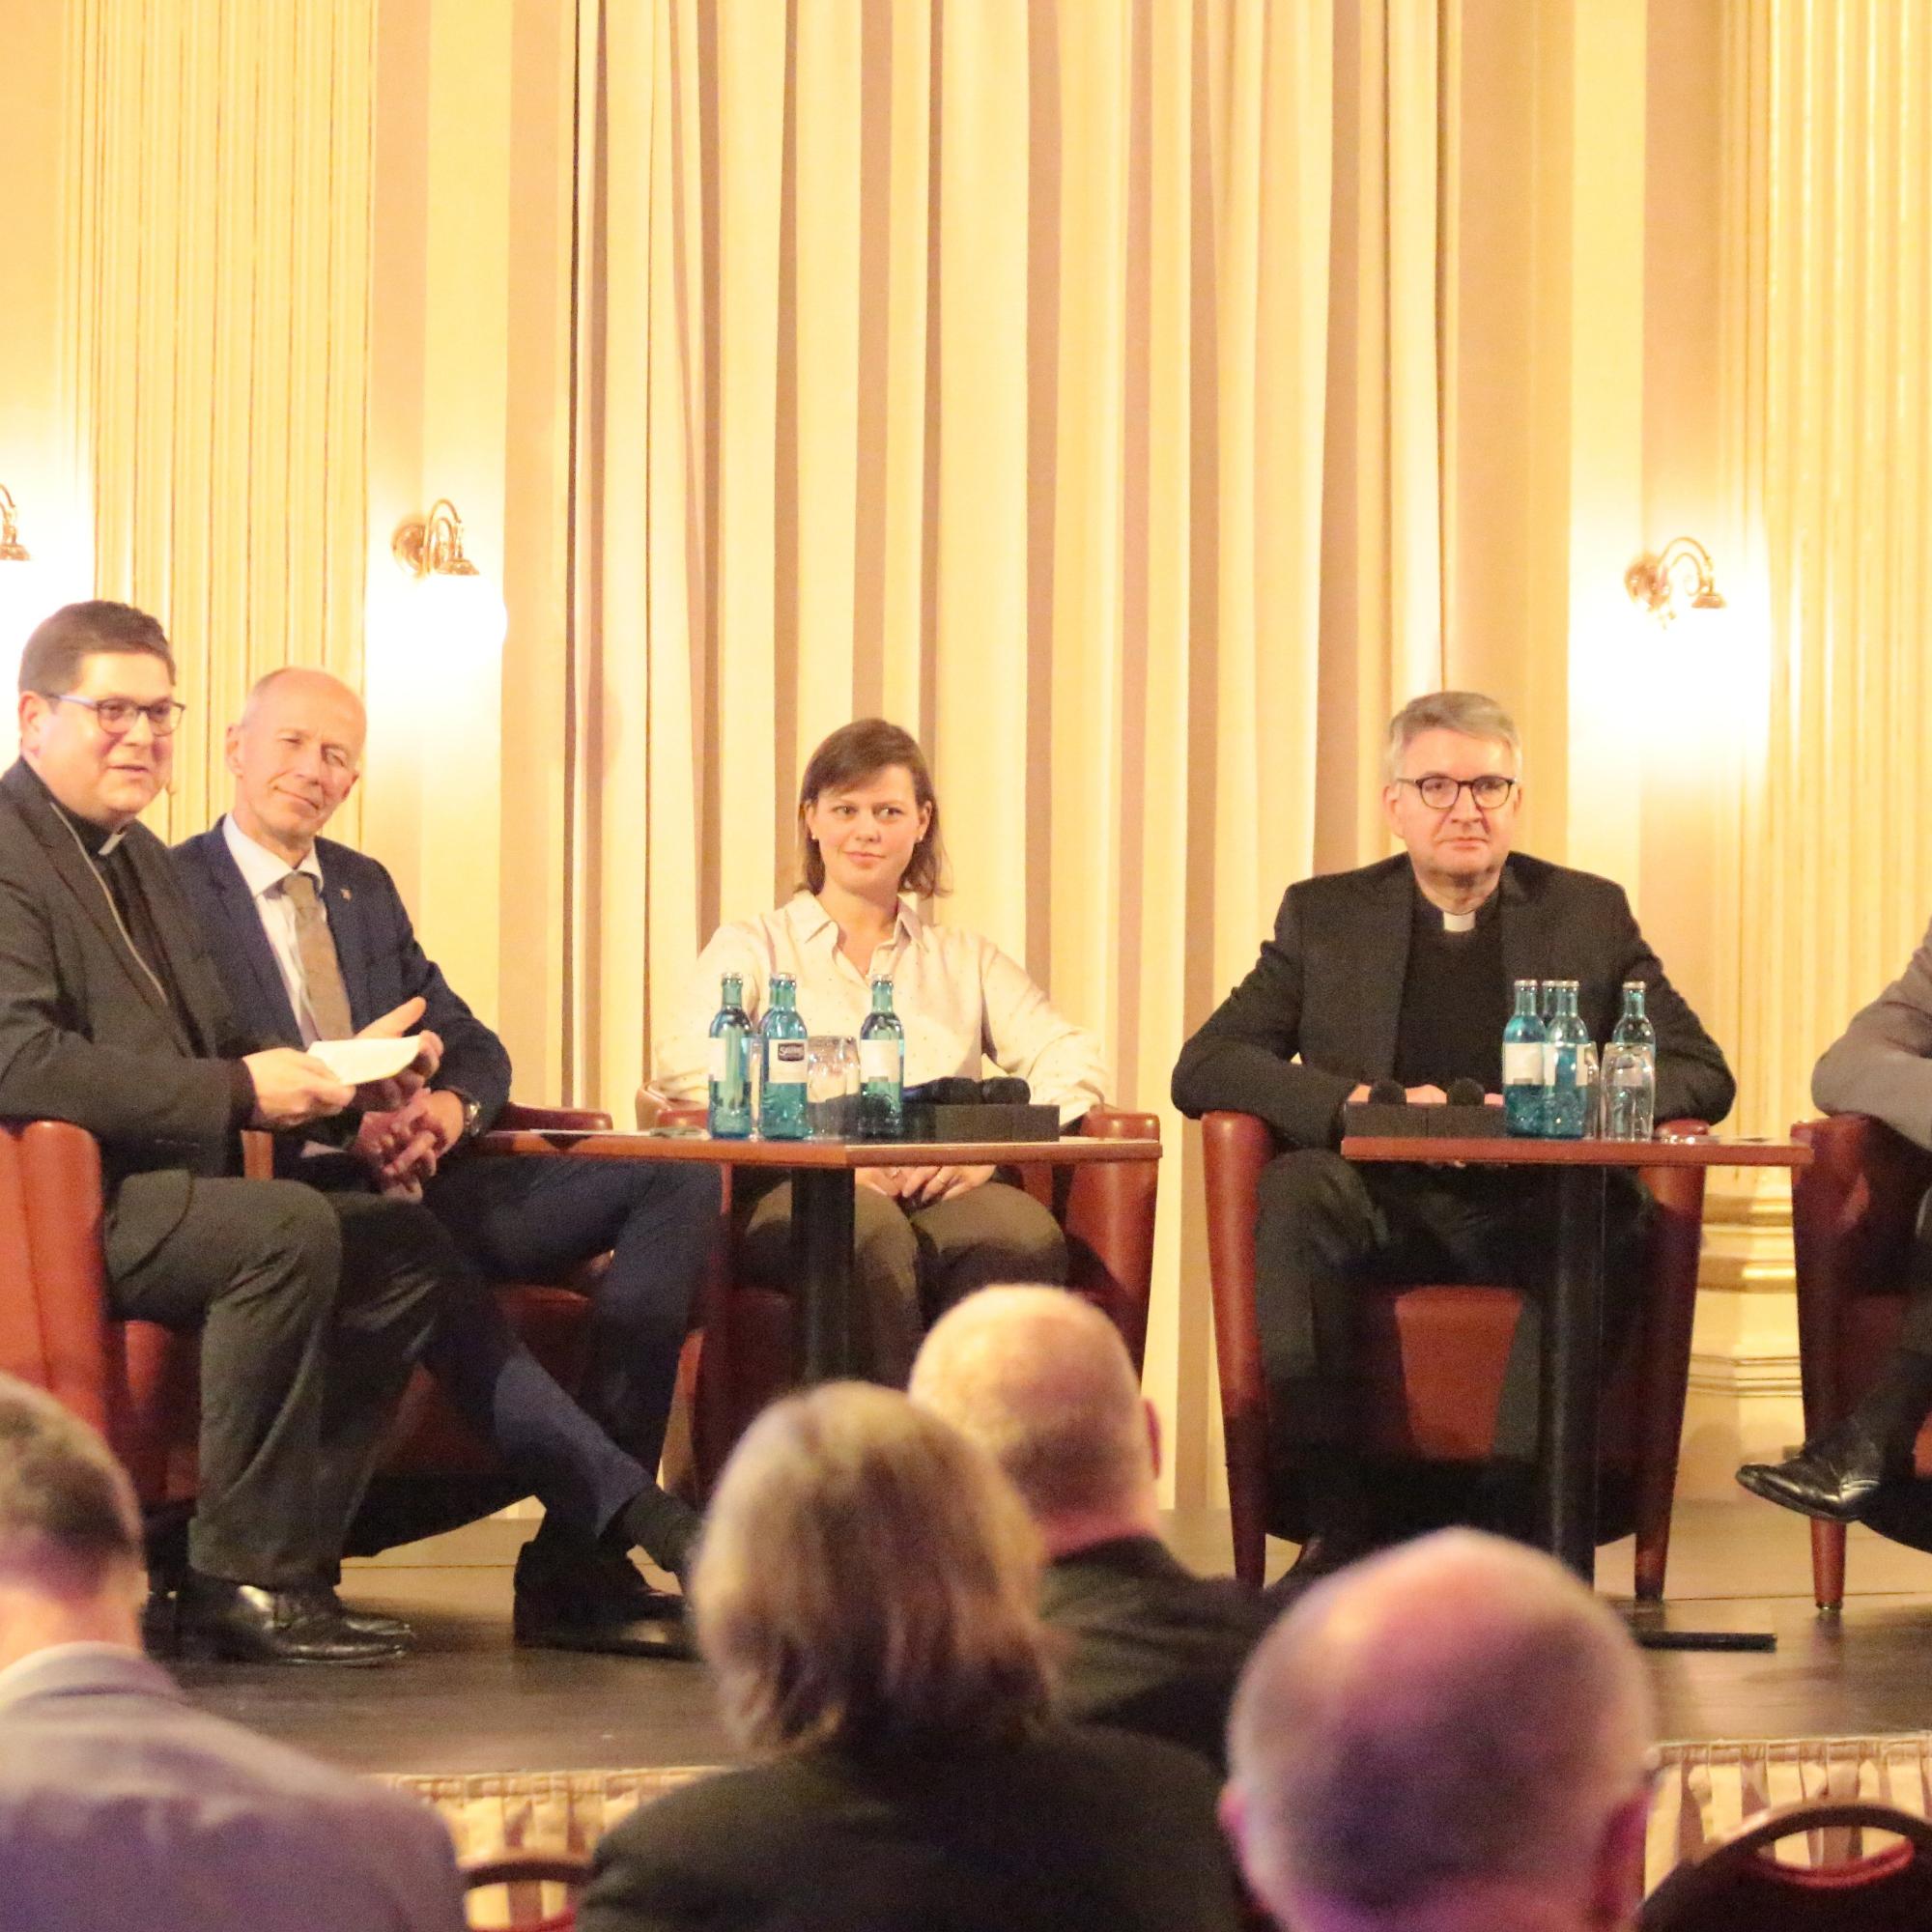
(403, 1145)
(293, 1088)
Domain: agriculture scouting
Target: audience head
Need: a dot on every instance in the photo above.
(1042, 1380)
(98, 711)
(70, 1550)
(866, 1577)
(867, 816)
(1441, 749)
(295, 753)
(1455, 1734)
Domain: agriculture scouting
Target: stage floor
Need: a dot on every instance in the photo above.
(469, 1702)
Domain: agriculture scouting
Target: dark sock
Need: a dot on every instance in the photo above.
(1895, 1407)
(663, 1526)
(1338, 1502)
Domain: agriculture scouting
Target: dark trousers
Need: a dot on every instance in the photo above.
(311, 1309)
(523, 1220)
(1325, 1228)
(1916, 1333)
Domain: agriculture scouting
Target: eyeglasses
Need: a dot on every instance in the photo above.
(117, 715)
(1438, 791)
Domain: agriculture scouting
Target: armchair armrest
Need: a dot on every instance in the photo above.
(557, 1120)
(1108, 1214)
(1234, 1149)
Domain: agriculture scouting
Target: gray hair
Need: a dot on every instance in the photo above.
(1469, 712)
(1460, 1710)
(67, 1513)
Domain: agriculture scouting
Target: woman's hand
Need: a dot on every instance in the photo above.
(925, 1186)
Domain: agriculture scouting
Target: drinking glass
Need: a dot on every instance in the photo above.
(830, 1087)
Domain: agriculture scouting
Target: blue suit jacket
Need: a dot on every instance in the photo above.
(381, 963)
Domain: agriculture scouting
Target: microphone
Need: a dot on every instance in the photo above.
(1388, 1094)
(1466, 1092)
(954, 1090)
(1004, 1092)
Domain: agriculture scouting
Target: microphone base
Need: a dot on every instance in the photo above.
(1377, 1119)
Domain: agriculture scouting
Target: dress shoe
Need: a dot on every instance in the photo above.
(322, 1596)
(1834, 1478)
(569, 1600)
(247, 1623)
(1322, 1555)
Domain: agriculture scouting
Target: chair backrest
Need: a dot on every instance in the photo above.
(523, 1874)
(1736, 1884)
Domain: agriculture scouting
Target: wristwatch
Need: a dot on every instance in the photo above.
(472, 1110)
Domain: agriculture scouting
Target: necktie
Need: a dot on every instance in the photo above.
(322, 970)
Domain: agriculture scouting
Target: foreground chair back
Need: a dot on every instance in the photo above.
(1853, 1214)
(1735, 1885)
(1438, 1353)
(524, 1877)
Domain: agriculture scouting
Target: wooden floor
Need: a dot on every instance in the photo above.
(469, 1701)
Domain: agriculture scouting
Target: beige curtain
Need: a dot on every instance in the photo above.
(215, 221)
(972, 363)
(1836, 461)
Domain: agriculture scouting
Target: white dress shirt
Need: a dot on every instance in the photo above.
(961, 1000)
(264, 873)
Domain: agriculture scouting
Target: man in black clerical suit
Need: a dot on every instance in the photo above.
(310, 1306)
(312, 940)
(1042, 1381)
(1403, 970)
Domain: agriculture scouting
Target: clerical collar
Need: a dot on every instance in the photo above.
(1455, 921)
(95, 840)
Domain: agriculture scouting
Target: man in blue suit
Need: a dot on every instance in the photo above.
(313, 942)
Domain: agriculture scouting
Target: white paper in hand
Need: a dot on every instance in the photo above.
(357, 1061)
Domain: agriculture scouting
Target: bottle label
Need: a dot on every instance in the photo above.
(722, 1058)
(1523, 1063)
(787, 1065)
(879, 1058)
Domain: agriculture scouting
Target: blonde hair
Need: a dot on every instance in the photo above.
(866, 1575)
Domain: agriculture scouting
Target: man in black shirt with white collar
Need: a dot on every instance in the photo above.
(1401, 970)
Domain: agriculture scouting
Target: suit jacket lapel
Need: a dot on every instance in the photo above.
(1385, 938)
(248, 939)
(1522, 948)
(351, 933)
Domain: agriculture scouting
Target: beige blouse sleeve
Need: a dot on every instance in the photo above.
(1061, 1062)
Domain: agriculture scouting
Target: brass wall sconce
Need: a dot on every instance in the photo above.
(457, 611)
(12, 549)
(1678, 579)
(432, 546)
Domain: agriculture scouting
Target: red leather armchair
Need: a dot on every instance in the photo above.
(138, 1383)
(742, 1356)
(1852, 1217)
(1438, 1354)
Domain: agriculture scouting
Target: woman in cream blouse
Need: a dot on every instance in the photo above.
(868, 831)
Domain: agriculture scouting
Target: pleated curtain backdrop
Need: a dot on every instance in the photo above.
(971, 363)
(216, 212)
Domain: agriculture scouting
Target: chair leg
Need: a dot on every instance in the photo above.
(1247, 1499)
(1653, 1553)
(1828, 1563)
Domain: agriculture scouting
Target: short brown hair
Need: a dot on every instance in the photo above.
(868, 1576)
(853, 753)
(1470, 712)
(52, 660)
(67, 1513)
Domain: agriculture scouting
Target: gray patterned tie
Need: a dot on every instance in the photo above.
(322, 970)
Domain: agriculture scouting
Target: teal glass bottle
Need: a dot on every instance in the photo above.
(882, 1069)
(1525, 1041)
(1629, 1071)
(781, 1040)
(1568, 1102)
(728, 1101)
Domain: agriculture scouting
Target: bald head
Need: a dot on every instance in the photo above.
(295, 753)
(1453, 1723)
(1042, 1380)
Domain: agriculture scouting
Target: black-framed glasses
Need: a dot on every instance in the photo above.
(116, 715)
(1438, 791)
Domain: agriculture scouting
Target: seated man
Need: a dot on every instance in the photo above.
(1882, 1066)
(1402, 970)
(1452, 1737)
(312, 940)
(310, 1306)
(120, 1803)
(1041, 1379)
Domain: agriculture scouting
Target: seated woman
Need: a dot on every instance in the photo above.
(865, 1597)
(869, 834)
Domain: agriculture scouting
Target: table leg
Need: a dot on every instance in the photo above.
(822, 1211)
(1572, 1348)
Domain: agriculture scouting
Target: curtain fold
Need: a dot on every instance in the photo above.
(987, 364)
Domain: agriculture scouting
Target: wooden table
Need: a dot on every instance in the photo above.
(1572, 1327)
(824, 1178)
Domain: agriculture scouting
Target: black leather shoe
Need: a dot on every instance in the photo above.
(1834, 1478)
(578, 1602)
(322, 1597)
(246, 1624)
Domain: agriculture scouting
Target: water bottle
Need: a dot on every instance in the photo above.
(1629, 1071)
(1566, 1099)
(728, 1112)
(781, 1040)
(1523, 1041)
(882, 1069)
